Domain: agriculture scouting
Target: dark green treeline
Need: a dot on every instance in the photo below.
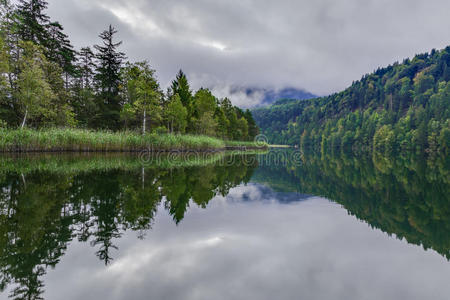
(405, 106)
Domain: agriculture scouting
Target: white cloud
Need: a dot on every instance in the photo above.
(320, 46)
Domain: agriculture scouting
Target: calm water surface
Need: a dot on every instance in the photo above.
(273, 226)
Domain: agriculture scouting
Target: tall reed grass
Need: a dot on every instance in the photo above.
(79, 140)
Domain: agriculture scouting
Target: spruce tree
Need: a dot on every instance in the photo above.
(32, 21)
(83, 94)
(35, 26)
(86, 67)
(253, 129)
(59, 50)
(181, 87)
(108, 78)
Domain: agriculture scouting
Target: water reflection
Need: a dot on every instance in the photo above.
(405, 195)
(45, 206)
(49, 205)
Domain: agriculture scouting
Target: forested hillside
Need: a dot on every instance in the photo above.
(277, 120)
(405, 106)
(46, 82)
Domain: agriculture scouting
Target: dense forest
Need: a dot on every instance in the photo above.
(405, 106)
(45, 82)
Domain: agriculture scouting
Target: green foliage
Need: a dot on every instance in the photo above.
(44, 83)
(206, 124)
(181, 87)
(142, 94)
(204, 102)
(384, 139)
(33, 91)
(86, 140)
(4, 89)
(176, 115)
(242, 128)
(107, 78)
(401, 107)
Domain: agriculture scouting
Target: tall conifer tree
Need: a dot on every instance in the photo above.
(32, 21)
(108, 78)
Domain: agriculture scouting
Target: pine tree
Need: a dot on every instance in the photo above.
(82, 90)
(230, 113)
(181, 87)
(253, 129)
(59, 50)
(32, 21)
(86, 67)
(108, 79)
(222, 123)
(204, 102)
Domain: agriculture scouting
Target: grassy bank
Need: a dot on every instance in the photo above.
(78, 140)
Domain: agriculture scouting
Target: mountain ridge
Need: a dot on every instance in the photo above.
(402, 106)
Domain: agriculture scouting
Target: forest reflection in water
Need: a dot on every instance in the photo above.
(48, 201)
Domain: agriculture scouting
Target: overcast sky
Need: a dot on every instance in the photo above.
(320, 46)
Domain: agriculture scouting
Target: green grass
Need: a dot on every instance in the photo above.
(79, 140)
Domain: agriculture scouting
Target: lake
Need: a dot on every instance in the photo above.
(279, 225)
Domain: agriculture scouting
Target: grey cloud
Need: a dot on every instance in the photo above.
(320, 46)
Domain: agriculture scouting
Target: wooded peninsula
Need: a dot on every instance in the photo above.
(94, 96)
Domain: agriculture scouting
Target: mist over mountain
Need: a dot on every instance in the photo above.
(254, 97)
(271, 96)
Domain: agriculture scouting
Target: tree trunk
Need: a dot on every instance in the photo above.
(24, 119)
(144, 122)
(24, 181)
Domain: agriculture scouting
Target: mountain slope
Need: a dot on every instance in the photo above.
(405, 106)
(274, 121)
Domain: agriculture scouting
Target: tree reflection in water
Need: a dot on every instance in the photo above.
(45, 202)
(48, 201)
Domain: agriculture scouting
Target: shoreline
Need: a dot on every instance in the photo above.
(88, 141)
